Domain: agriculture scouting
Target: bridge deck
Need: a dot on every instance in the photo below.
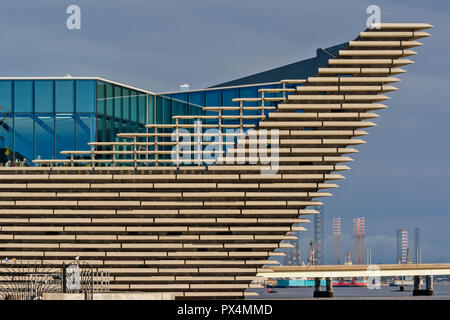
(337, 271)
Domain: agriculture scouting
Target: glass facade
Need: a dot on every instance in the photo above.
(39, 118)
(217, 97)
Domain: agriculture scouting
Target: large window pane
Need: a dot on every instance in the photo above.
(159, 109)
(117, 102)
(23, 96)
(229, 95)
(44, 136)
(85, 96)
(109, 100)
(110, 129)
(101, 95)
(134, 106)
(43, 95)
(142, 108)
(250, 92)
(197, 98)
(64, 96)
(151, 110)
(126, 104)
(85, 131)
(180, 97)
(5, 96)
(167, 110)
(6, 138)
(100, 129)
(214, 98)
(23, 136)
(65, 134)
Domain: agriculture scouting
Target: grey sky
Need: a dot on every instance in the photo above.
(401, 176)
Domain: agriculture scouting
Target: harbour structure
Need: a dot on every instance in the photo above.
(319, 235)
(337, 239)
(417, 246)
(359, 225)
(402, 246)
(323, 275)
(204, 229)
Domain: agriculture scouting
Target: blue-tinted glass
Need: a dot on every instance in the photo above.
(179, 108)
(229, 95)
(142, 108)
(197, 98)
(117, 102)
(250, 92)
(23, 136)
(167, 110)
(85, 131)
(6, 138)
(23, 96)
(64, 96)
(151, 109)
(159, 109)
(43, 96)
(109, 100)
(117, 128)
(134, 106)
(214, 98)
(5, 96)
(65, 134)
(44, 136)
(109, 130)
(100, 129)
(180, 97)
(126, 104)
(85, 95)
(101, 95)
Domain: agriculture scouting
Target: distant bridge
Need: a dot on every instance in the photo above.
(329, 272)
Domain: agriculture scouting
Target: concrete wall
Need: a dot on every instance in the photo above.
(63, 296)
(134, 296)
(111, 296)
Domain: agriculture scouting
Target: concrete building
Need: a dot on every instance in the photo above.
(198, 226)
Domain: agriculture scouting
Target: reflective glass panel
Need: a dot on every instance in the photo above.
(151, 109)
(117, 102)
(23, 96)
(64, 96)
(85, 95)
(44, 136)
(23, 136)
(142, 108)
(43, 96)
(100, 129)
(229, 95)
(6, 138)
(197, 98)
(5, 96)
(214, 98)
(65, 134)
(101, 95)
(134, 106)
(109, 100)
(85, 128)
(126, 104)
